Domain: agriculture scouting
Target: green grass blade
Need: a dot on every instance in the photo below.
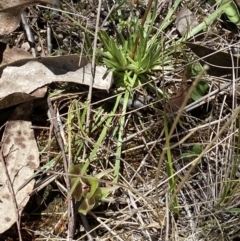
(102, 136)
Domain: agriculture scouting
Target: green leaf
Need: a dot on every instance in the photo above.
(77, 191)
(188, 155)
(197, 149)
(92, 182)
(103, 173)
(234, 210)
(200, 90)
(103, 192)
(231, 11)
(196, 69)
(86, 205)
(75, 170)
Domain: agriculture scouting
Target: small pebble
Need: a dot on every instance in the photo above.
(39, 48)
(25, 46)
(235, 50)
(60, 36)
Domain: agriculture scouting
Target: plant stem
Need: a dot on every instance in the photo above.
(142, 23)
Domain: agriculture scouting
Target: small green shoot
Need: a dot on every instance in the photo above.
(196, 69)
(200, 90)
(234, 210)
(193, 153)
(85, 188)
(169, 165)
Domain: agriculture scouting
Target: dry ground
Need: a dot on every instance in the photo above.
(208, 190)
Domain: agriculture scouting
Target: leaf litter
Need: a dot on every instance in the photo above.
(19, 71)
(10, 12)
(19, 152)
(181, 229)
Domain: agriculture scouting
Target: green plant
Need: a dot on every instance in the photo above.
(130, 73)
(86, 188)
(196, 69)
(193, 153)
(130, 70)
(77, 130)
(199, 90)
(226, 6)
(169, 165)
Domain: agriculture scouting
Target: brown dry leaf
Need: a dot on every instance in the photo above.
(9, 55)
(220, 63)
(185, 21)
(44, 71)
(15, 99)
(58, 65)
(33, 75)
(10, 12)
(22, 77)
(175, 102)
(21, 157)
